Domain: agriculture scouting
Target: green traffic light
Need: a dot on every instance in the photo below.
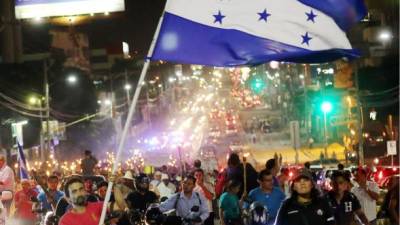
(326, 107)
(257, 85)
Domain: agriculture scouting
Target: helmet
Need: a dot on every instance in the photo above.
(258, 214)
(154, 215)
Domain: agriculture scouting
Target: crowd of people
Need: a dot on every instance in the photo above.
(235, 195)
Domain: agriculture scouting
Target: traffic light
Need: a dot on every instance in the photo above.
(326, 106)
(257, 85)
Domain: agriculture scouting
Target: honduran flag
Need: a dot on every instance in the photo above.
(23, 169)
(250, 32)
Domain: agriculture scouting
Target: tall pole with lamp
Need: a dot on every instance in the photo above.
(47, 99)
(33, 100)
(71, 79)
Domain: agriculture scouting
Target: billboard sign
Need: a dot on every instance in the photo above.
(25, 9)
(73, 47)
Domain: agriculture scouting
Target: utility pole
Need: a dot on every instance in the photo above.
(307, 77)
(10, 30)
(7, 32)
(359, 121)
(41, 131)
(47, 87)
(391, 135)
(127, 88)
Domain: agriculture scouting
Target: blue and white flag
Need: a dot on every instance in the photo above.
(23, 169)
(250, 32)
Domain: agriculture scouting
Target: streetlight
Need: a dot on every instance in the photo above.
(326, 107)
(385, 35)
(33, 100)
(72, 79)
(107, 102)
(128, 87)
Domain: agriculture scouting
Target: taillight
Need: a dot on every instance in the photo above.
(380, 175)
(290, 174)
(394, 169)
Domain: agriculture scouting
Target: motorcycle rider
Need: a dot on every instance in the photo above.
(189, 205)
(142, 197)
(48, 198)
(267, 194)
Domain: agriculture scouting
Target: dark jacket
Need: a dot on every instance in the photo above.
(317, 212)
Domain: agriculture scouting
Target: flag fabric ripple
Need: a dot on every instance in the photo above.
(23, 170)
(238, 32)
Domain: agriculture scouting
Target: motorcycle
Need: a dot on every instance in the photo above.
(257, 214)
(154, 216)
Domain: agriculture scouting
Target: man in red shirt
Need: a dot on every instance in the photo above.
(82, 212)
(23, 203)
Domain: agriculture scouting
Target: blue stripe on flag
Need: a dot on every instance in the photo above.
(185, 41)
(23, 171)
(346, 13)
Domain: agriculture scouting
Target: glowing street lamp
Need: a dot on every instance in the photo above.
(72, 79)
(128, 87)
(107, 102)
(385, 35)
(33, 100)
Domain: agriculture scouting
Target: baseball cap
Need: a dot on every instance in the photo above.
(303, 173)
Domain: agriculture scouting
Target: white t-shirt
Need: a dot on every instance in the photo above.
(368, 204)
(166, 191)
(7, 177)
(210, 189)
(153, 186)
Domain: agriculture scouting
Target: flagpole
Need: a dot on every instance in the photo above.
(129, 118)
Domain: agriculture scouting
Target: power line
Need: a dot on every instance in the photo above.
(394, 89)
(33, 108)
(9, 106)
(20, 104)
(381, 104)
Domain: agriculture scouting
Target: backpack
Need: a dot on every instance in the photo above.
(222, 178)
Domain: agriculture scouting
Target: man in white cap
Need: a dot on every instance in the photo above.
(165, 188)
(155, 182)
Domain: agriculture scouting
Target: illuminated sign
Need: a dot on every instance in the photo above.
(25, 9)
